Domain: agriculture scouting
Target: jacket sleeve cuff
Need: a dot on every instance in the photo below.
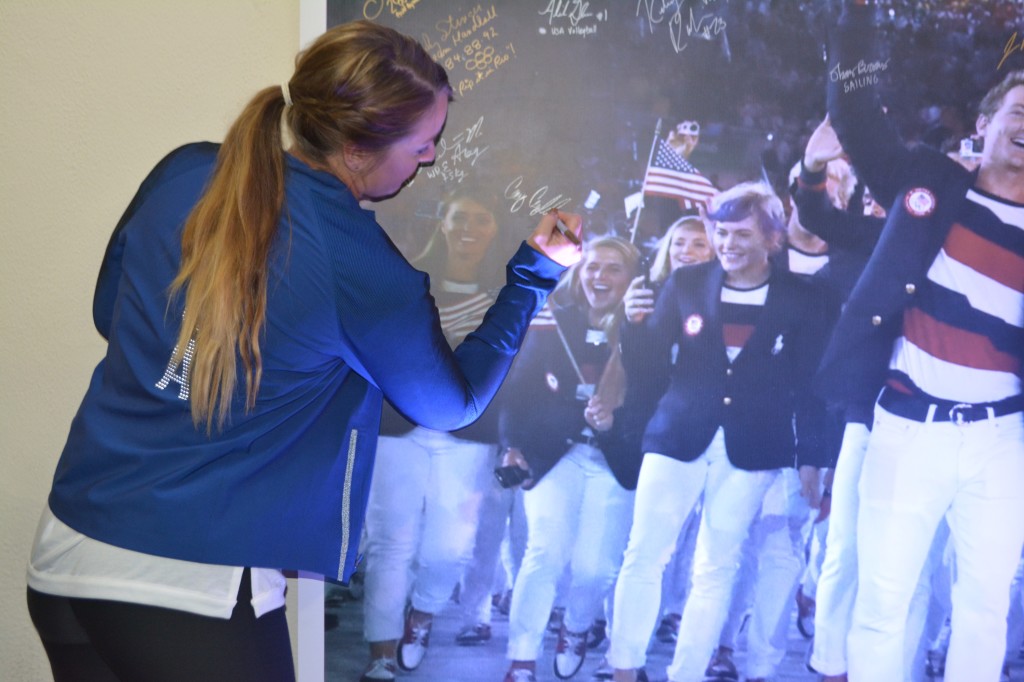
(814, 180)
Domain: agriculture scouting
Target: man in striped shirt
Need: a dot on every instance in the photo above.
(936, 323)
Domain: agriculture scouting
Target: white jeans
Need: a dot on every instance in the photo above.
(930, 605)
(577, 515)
(513, 547)
(778, 541)
(675, 583)
(837, 584)
(913, 474)
(666, 492)
(478, 580)
(427, 490)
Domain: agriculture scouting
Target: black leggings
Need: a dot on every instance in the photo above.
(98, 641)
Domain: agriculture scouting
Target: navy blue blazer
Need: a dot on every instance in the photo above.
(926, 189)
(540, 411)
(851, 238)
(762, 399)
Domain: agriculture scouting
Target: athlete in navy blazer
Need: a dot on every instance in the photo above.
(738, 340)
(755, 397)
(937, 319)
(856, 359)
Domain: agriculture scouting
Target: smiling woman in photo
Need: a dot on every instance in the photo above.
(428, 485)
(577, 500)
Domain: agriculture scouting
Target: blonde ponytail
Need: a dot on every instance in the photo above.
(358, 84)
(225, 245)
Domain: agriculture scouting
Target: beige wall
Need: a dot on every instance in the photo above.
(92, 94)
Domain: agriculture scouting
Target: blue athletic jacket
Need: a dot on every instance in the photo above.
(348, 319)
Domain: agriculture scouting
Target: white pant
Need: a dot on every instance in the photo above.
(514, 545)
(666, 492)
(815, 555)
(913, 474)
(478, 580)
(577, 515)
(930, 605)
(675, 583)
(421, 519)
(778, 542)
(837, 584)
(1015, 618)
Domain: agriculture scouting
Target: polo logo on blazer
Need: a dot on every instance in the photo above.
(919, 202)
(694, 323)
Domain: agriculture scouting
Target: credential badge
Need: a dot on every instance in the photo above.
(694, 323)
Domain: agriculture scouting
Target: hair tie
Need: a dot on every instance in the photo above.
(287, 94)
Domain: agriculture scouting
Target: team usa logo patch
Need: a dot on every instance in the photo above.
(552, 382)
(694, 323)
(920, 202)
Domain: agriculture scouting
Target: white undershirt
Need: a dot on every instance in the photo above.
(66, 563)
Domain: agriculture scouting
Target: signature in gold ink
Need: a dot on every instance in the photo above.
(1012, 45)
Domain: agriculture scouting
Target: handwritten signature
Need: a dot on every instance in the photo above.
(453, 155)
(838, 73)
(458, 150)
(373, 8)
(708, 27)
(538, 201)
(573, 10)
(459, 28)
(1011, 48)
(657, 11)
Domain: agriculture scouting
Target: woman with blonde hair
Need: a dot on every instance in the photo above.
(578, 499)
(685, 242)
(256, 317)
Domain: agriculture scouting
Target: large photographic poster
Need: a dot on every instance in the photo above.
(557, 103)
(578, 105)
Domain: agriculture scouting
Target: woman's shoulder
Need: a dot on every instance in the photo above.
(178, 164)
(186, 158)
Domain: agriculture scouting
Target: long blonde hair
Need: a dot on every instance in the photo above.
(661, 268)
(570, 290)
(360, 84)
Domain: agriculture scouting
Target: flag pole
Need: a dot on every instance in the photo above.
(647, 168)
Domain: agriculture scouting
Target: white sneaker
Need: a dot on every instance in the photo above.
(570, 652)
(380, 669)
(413, 645)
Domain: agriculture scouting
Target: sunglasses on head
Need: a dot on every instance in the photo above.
(688, 128)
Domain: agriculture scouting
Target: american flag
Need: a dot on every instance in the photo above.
(672, 176)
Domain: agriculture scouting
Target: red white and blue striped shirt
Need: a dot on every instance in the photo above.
(963, 339)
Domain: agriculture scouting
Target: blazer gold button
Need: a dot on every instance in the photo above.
(728, 372)
(727, 400)
(911, 288)
(876, 320)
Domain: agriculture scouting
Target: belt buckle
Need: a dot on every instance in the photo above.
(957, 414)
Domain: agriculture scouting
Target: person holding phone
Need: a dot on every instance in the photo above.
(256, 316)
(735, 342)
(561, 394)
